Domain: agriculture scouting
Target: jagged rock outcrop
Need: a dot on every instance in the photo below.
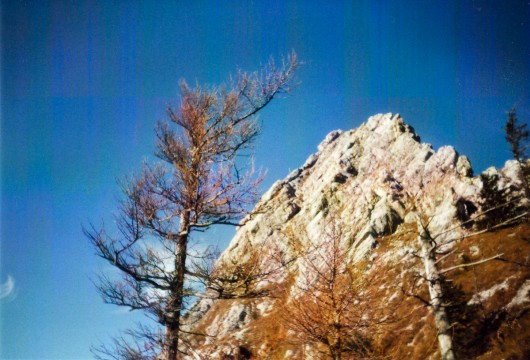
(376, 179)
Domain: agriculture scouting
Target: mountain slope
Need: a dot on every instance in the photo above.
(373, 183)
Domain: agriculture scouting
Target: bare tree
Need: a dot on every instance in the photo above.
(435, 248)
(200, 182)
(332, 308)
(252, 274)
(433, 277)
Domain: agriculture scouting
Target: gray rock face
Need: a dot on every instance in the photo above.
(375, 179)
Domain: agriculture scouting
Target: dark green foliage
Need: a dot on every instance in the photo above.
(495, 204)
(517, 136)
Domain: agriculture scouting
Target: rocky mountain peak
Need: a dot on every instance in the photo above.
(370, 169)
(376, 179)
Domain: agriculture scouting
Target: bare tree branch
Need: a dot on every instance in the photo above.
(199, 183)
(443, 271)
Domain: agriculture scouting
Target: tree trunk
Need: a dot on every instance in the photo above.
(335, 353)
(434, 282)
(174, 306)
(172, 341)
(338, 339)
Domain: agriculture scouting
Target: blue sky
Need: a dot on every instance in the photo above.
(84, 82)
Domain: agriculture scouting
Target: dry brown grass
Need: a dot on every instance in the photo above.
(481, 331)
(485, 330)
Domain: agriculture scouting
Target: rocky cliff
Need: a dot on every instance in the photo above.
(375, 182)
